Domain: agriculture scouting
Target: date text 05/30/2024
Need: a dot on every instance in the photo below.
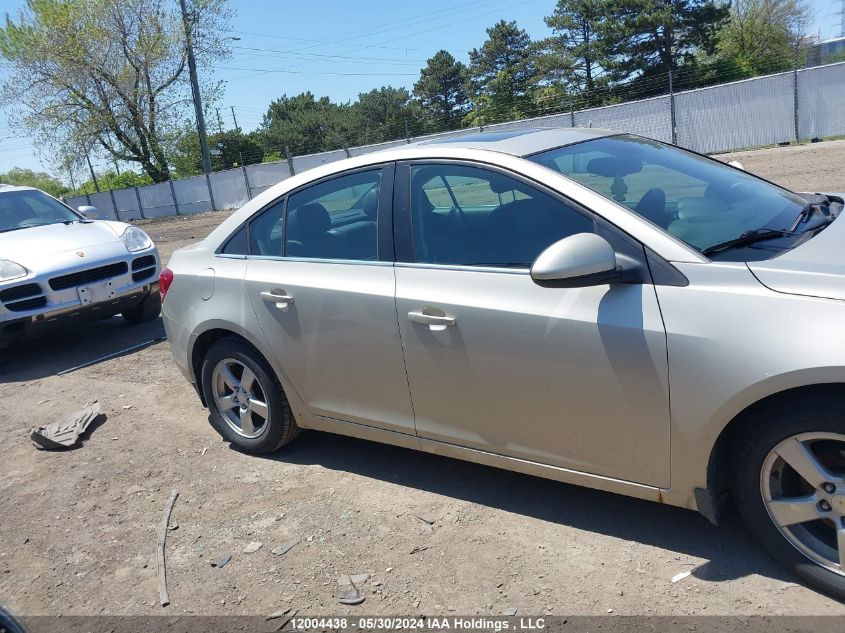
(453, 623)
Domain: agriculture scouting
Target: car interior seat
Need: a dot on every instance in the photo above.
(652, 206)
(359, 239)
(309, 233)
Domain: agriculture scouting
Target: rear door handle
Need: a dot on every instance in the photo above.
(431, 319)
(278, 297)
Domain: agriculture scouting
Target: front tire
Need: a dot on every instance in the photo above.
(147, 310)
(789, 484)
(247, 403)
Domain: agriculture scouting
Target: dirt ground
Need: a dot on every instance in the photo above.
(78, 528)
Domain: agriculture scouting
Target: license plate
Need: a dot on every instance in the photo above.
(95, 293)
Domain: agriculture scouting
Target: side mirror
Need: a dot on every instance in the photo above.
(92, 213)
(580, 260)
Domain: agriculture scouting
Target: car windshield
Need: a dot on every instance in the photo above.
(27, 208)
(699, 200)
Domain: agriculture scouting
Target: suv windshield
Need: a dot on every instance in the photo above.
(699, 200)
(28, 208)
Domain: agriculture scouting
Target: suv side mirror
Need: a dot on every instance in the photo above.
(92, 213)
(580, 260)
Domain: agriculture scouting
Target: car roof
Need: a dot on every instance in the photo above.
(6, 188)
(522, 142)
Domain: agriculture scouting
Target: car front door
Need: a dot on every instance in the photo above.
(322, 284)
(575, 378)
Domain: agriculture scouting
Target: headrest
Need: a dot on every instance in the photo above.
(614, 166)
(371, 202)
(309, 220)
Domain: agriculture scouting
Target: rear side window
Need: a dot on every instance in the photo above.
(237, 244)
(472, 216)
(265, 231)
(335, 219)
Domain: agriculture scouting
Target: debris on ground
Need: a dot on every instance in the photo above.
(252, 547)
(287, 619)
(426, 518)
(277, 614)
(132, 490)
(221, 562)
(66, 432)
(510, 611)
(417, 550)
(681, 576)
(285, 547)
(164, 598)
(347, 592)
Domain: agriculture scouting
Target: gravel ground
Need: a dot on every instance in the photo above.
(434, 535)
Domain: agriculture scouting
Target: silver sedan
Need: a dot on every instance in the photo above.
(593, 307)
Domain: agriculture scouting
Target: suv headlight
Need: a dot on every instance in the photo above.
(135, 239)
(11, 270)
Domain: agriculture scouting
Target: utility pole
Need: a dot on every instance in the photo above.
(219, 121)
(195, 90)
(235, 119)
(93, 175)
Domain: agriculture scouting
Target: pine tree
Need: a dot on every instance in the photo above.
(502, 73)
(441, 90)
(656, 36)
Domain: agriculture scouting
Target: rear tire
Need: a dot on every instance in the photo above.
(247, 404)
(147, 310)
(798, 518)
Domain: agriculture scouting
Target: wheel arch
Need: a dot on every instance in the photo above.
(202, 341)
(720, 462)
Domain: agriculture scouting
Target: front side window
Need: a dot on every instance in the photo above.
(471, 216)
(27, 208)
(698, 200)
(335, 219)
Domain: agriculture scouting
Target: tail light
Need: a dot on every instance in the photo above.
(164, 281)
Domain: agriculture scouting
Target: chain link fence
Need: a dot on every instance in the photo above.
(786, 107)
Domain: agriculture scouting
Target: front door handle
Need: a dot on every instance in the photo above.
(278, 297)
(431, 319)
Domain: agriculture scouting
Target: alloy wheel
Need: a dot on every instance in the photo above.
(240, 398)
(803, 486)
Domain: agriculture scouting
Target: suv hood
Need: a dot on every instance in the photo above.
(814, 269)
(28, 246)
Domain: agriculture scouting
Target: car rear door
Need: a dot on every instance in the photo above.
(322, 284)
(575, 378)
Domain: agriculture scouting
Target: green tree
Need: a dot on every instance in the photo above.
(577, 48)
(656, 36)
(106, 74)
(229, 149)
(763, 36)
(306, 125)
(441, 90)
(386, 114)
(112, 180)
(501, 74)
(38, 179)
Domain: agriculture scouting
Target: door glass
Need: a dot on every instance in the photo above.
(476, 217)
(335, 219)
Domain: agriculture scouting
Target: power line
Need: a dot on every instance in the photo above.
(366, 46)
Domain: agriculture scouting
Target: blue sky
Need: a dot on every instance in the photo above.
(341, 48)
